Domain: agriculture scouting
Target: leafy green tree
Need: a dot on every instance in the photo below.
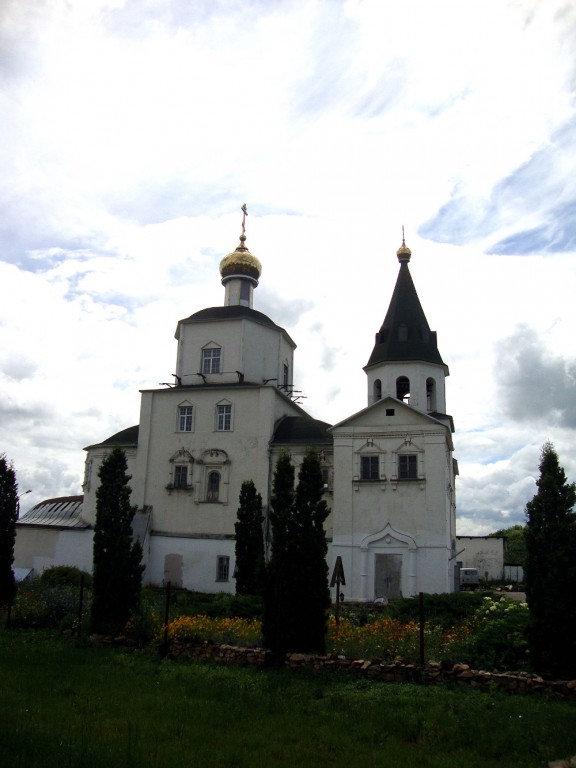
(8, 518)
(514, 543)
(117, 557)
(297, 595)
(250, 563)
(551, 570)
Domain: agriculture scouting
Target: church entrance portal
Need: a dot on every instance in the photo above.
(387, 576)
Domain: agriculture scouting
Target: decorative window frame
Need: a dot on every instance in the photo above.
(213, 460)
(211, 346)
(409, 448)
(185, 404)
(223, 403)
(182, 457)
(369, 448)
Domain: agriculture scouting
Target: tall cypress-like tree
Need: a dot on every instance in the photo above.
(277, 597)
(250, 562)
(117, 557)
(297, 594)
(551, 570)
(311, 573)
(8, 518)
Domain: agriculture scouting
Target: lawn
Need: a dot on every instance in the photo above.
(66, 704)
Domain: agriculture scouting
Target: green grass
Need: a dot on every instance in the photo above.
(67, 705)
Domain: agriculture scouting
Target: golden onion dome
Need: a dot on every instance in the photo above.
(404, 253)
(241, 262)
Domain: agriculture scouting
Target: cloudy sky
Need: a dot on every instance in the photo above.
(131, 132)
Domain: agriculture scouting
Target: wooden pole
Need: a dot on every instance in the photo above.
(421, 607)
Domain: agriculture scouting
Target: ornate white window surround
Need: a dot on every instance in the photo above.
(213, 479)
(181, 471)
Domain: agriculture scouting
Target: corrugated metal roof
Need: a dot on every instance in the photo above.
(62, 512)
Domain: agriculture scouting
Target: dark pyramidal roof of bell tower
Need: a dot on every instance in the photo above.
(405, 333)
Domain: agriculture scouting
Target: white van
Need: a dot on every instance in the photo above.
(469, 578)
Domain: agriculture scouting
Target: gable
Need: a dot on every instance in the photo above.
(387, 413)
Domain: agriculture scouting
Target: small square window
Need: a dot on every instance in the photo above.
(223, 417)
(390, 411)
(408, 467)
(180, 476)
(222, 568)
(211, 360)
(369, 467)
(185, 418)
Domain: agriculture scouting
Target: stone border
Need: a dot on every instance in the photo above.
(393, 672)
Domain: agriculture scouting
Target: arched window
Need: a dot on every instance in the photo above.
(403, 389)
(213, 486)
(430, 394)
(377, 390)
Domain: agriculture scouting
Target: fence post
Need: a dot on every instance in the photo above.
(421, 607)
(80, 604)
(166, 613)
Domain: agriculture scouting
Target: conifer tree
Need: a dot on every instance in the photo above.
(277, 605)
(117, 558)
(249, 542)
(297, 595)
(551, 570)
(8, 518)
(311, 575)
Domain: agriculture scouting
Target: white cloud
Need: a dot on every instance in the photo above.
(133, 131)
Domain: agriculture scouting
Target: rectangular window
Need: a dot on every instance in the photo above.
(285, 374)
(180, 476)
(224, 417)
(369, 467)
(408, 467)
(185, 418)
(223, 568)
(326, 479)
(211, 360)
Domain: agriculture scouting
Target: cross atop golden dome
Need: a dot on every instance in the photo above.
(241, 263)
(404, 253)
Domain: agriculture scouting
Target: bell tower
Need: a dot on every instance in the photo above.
(405, 362)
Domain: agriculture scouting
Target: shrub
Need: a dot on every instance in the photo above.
(222, 604)
(497, 638)
(65, 575)
(444, 610)
(39, 605)
(147, 619)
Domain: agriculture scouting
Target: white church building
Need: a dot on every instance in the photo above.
(389, 469)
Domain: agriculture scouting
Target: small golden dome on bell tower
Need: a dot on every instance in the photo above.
(404, 253)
